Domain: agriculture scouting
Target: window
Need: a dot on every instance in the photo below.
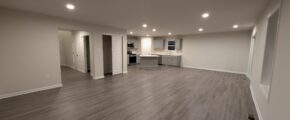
(171, 45)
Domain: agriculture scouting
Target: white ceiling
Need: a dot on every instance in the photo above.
(176, 16)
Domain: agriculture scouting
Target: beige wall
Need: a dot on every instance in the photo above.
(277, 107)
(217, 51)
(29, 49)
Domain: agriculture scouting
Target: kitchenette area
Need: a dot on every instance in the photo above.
(154, 51)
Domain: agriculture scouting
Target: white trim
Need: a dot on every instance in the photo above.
(265, 89)
(63, 64)
(117, 72)
(81, 70)
(251, 52)
(249, 76)
(72, 67)
(219, 70)
(99, 77)
(256, 103)
(30, 91)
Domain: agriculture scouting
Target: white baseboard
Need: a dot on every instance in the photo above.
(81, 70)
(256, 103)
(72, 67)
(219, 70)
(29, 91)
(117, 72)
(98, 77)
(69, 66)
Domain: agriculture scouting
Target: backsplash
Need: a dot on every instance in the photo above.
(167, 52)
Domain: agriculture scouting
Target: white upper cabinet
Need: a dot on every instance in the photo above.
(135, 41)
(158, 44)
(178, 44)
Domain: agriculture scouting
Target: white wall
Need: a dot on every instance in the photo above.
(66, 48)
(277, 107)
(217, 51)
(79, 52)
(29, 49)
(117, 54)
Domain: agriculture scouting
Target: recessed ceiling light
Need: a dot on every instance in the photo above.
(70, 6)
(147, 35)
(205, 15)
(144, 25)
(169, 33)
(131, 33)
(154, 30)
(200, 29)
(235, 26)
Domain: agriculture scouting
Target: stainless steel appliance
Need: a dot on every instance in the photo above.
(132, 58)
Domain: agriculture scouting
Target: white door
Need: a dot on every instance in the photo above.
(117, 54)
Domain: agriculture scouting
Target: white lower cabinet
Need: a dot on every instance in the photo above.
(171, 60)
(138, 59)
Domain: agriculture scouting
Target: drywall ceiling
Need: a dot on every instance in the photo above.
(176, 16)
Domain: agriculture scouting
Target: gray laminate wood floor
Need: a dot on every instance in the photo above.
(163, 93)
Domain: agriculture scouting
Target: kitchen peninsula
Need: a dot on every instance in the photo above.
(149, 60)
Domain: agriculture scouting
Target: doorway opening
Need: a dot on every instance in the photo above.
(107, 55)
(87, 52)
(74, 48)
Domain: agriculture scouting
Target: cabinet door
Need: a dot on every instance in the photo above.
(178, 61)
(164, 59)
(158, 44)
(160, 60)
(173, 60)
(136, 42)
(178, 43)
(169, 60)
(138, 59)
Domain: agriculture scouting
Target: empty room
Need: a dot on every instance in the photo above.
(144, 59)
